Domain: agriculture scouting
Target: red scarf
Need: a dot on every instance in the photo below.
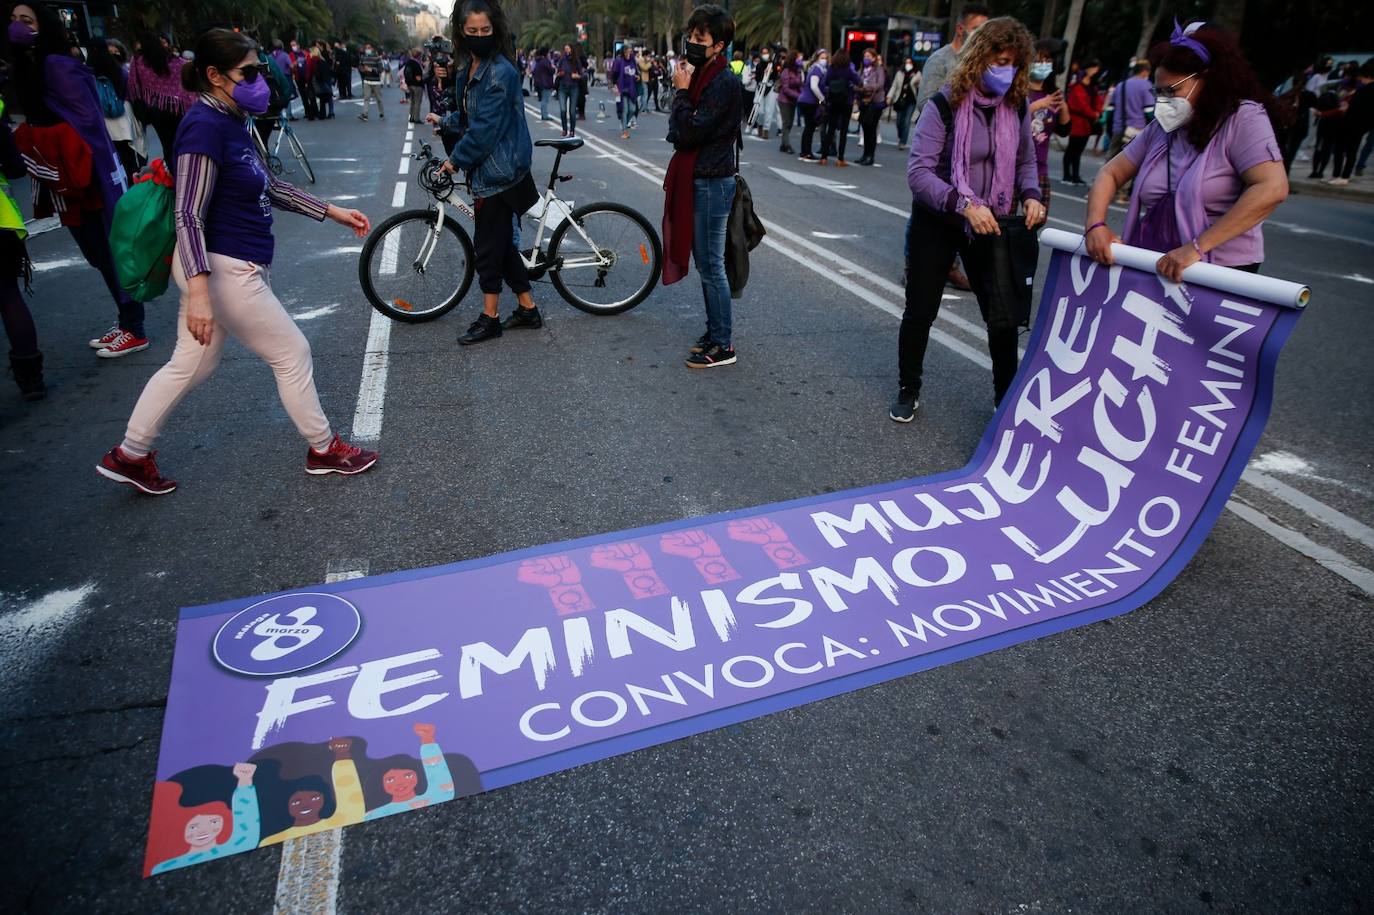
(678, 209)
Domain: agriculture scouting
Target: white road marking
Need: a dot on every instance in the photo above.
(367, 418)
(1336, 520)
(1359, 278)
(833, 235)
(1304, 230)
(405, 166)
(800, 178)
(308, 877)
(1358, 575)
(338, 159)
(311, 314)
(31, 628)
(398, 196)
(342, 249)
(57, 263)
(1329, 559)
(334, 197)
(390, 243)
(405, 150)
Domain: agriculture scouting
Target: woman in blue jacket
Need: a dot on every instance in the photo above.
(495, 151)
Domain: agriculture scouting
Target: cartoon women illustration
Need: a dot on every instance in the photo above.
(402, 783)
(204, 834)
(306, 804)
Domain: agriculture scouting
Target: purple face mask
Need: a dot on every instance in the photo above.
(253, 97)
(21, 36)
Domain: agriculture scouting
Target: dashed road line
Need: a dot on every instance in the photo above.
(1325, 557)
(308, 877)
(398, 196)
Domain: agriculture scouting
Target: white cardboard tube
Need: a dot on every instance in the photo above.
(1223, 279)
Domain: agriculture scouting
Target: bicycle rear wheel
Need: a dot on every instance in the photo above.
(299, 152)
(410, 272)
(605, 258)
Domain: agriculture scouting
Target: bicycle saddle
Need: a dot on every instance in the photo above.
(563, 144)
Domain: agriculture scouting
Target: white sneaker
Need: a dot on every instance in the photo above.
(105, 339)
(1338, 182)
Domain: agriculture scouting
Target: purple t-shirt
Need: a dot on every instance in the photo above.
(1249, 140)
(238, 221)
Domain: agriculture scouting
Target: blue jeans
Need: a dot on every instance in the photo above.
(904, 123)
(627, 110)
(567, 106)
(711, 200)
(544, 104)
(641, 96)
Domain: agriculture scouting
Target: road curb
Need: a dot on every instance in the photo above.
(1304, 187)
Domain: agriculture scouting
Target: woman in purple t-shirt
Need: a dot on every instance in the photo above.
(1208, 170)
(224, 201)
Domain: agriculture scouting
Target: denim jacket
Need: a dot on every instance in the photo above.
(494, 146)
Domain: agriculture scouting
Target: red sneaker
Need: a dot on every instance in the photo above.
(140, 473)
(122, 345)
(339, 457)
(105, 339)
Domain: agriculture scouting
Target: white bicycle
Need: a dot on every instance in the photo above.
(604, 258)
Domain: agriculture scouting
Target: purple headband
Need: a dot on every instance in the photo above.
(1183, 38)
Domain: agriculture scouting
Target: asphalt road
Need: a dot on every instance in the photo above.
(1210, 751)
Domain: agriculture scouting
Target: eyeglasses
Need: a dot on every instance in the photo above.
(250, 72)
(1171, 91)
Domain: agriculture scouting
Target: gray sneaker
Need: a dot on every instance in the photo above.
(903, 409)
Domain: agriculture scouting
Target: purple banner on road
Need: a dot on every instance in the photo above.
(1135, 410)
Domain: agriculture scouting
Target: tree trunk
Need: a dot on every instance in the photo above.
(1071, 35)
(788, 8)
(1149, 21)
(823, 25)
(933, 11)
(1047, 21)
(1229, 15)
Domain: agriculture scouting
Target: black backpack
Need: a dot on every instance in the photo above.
(837, 88)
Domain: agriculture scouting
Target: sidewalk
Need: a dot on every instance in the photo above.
(1359, 189)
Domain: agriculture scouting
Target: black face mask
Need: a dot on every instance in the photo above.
(695, 52)
(480, 45)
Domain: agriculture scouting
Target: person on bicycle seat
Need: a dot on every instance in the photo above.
(495, 151)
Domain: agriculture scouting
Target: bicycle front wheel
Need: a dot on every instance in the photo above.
(605, 258)
(413, 271)
(299, 152)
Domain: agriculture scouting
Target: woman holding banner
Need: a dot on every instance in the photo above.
(1208, 169)
(972, 161)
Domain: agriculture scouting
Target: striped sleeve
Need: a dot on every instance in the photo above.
(292, 199)
(196, 173)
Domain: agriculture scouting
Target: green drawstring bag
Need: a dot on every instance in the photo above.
(143, 234)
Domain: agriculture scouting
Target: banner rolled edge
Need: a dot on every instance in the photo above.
(1266, 289)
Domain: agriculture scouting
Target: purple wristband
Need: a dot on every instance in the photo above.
(1096, 225)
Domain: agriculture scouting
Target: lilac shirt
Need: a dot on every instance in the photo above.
(1137, 94)
(927, 167)
(1249, 140)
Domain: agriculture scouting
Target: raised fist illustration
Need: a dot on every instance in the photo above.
(563, 580)
(342, 747)
(635, 566)
(702, 549)
(425, 732)
(244, 773)
(772, 538)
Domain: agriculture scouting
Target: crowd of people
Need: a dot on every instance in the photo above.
(1196, 148)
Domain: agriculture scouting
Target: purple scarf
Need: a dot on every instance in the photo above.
(1006, 139)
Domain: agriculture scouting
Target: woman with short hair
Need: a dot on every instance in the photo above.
(1208, 170)
(223, 255)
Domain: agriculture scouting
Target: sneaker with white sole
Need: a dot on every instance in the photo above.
(140, 473)
(338, 457)
(105, 339)
(903, 409)
(713, 356)
(122, 345)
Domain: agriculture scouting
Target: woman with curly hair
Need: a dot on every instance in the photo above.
(1208, 170)
(972, 162)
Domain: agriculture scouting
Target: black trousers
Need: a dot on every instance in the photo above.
(1347, 151)
(932, 243)
(1326, 145)
(307, 92)
(94, 244)
(869, 115)
(1073, 158)
(808, 113)
(494, 244)
(836, 120)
